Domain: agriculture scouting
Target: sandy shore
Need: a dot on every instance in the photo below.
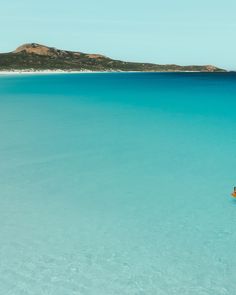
(47, 72)
(81, 72)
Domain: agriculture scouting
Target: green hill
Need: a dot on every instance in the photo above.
(36, 57)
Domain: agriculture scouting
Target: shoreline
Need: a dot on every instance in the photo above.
(41, 72)
(22, 72)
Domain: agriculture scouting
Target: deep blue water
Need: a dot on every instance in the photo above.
(118, 184)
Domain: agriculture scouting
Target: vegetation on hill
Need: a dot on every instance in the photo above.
(36, 57)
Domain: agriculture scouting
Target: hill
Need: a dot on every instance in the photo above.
(36, 57)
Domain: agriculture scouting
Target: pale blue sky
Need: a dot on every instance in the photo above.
(160, 31)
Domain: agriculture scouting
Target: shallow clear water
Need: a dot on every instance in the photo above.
(118, 184)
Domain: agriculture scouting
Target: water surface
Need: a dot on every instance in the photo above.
(117, 184)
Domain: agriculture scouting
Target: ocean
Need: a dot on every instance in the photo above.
(118, 183)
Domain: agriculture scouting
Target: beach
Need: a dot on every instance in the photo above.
(45, 72)
(42, 72)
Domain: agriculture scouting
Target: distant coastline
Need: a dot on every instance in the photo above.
(51, 72)
(29, 72)
(36, 58)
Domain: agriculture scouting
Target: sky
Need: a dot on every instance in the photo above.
(161, 31)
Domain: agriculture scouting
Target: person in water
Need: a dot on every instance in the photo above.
(234, 192)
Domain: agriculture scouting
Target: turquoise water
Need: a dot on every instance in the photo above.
(118, 184)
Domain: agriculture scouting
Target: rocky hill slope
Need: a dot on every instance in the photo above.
(36, 57)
